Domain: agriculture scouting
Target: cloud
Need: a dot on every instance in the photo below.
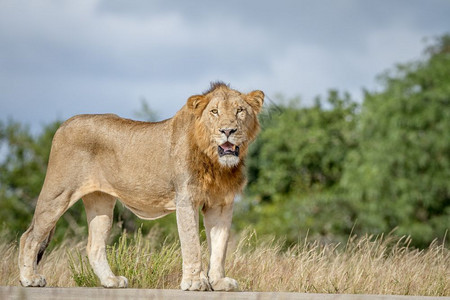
(59, 58)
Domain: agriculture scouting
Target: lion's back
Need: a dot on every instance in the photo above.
(107, 133)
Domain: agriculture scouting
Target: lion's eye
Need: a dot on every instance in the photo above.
(214, 111)
(240, 109)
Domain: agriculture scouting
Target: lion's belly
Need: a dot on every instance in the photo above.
(152, 212)
(148, 194)
(149, 206)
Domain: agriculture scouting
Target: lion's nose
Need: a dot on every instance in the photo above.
(228, 131)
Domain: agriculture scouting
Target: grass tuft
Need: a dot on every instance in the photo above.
(144, 264)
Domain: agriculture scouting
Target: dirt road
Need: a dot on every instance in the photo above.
(19, 293)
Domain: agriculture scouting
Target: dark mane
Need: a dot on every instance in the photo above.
(215, 85)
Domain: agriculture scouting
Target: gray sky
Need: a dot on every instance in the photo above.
(60, 58)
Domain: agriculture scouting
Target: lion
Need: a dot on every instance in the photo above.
(193, 160)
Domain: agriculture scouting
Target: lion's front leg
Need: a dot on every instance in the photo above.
(217, 223)
(187, 222)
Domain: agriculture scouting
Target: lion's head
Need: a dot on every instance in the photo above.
(226, 122)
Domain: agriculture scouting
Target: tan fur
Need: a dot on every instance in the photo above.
(153, 169)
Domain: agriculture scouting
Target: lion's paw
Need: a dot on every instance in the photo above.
(33, 280)
(195, 285)
(224, 284)
(115, 282)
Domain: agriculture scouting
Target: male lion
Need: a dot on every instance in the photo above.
(193, 160)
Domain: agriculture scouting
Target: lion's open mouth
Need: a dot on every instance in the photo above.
(228, 149)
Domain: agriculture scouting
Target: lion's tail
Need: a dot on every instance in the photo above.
(44, 245)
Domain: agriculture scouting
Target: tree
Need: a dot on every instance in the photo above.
(399, 175)
(295, 166)
(22, 172)
(146, 113)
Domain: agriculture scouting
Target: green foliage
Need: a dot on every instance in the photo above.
(302, 149)
(295, 166)
(332, 169)
(146, 113)
(399, 174)
(22, 172)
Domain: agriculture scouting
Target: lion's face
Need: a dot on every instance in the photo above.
(226, 122)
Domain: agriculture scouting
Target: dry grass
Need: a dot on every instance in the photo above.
(366, 265)
(54, 265)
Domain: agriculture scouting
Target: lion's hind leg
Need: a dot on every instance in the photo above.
(37, 237)
(99, 210)
(28, 259)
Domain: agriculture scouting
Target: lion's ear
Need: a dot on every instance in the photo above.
(197, 103)
(256, 100)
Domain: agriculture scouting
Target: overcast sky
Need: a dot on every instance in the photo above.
(60, 58)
